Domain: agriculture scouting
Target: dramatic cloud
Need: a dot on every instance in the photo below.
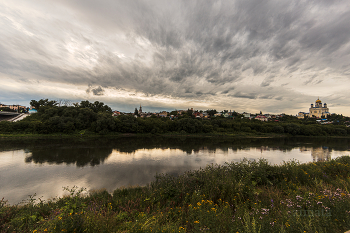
(96, 91)
(274, 56)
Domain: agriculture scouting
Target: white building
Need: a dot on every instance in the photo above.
(318, 110)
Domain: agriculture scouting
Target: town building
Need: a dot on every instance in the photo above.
(245, 114)
(140, 110)
(302, 115)
(116, 113)
(261, 118)
(12, 107)
(318, 110)
(163, 114)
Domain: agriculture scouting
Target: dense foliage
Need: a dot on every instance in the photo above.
(97, 118)
(249, 196)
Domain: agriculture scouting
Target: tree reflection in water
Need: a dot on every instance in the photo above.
(91, 152)
(69, 155)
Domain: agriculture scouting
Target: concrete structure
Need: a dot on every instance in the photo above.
(318, 110)
(8, 116)
(20, 117)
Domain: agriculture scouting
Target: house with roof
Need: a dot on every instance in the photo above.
(261, 118)
(163, 114)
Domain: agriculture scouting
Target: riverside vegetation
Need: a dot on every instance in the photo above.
(96, 118)
(249, 196)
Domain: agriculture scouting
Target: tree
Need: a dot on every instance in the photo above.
(43, 103)
(211, 112)
(173, 113)
(189, 112)
(136, 113)
(96, 106)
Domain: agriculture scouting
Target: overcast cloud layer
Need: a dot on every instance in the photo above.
(244, 55)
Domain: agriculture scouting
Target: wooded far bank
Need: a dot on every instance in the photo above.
(96, 117)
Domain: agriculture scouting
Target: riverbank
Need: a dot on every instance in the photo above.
(134, 135)
(239, 197)
(175, 135)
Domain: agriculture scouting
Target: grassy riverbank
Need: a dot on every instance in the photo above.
(116, 135)
(239, 197)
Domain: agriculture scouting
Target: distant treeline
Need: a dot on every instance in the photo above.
(97, 118)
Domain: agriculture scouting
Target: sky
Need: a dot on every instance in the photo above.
(242, 55)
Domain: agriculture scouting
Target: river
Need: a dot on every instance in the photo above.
(43, 167)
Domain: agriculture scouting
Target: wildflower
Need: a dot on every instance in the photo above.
(196, 221)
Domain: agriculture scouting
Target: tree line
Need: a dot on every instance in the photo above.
(97, 117)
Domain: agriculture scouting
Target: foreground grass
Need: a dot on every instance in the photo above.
(250, 196)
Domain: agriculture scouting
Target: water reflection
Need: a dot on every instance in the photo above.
(68, 155)
(320, 154)
(94, 152)
(44, 166)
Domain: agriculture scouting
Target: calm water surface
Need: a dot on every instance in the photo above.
(43, 167)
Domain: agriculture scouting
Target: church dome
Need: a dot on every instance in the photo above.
(318, 101)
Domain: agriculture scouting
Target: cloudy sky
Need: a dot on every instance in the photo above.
(245, 55)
